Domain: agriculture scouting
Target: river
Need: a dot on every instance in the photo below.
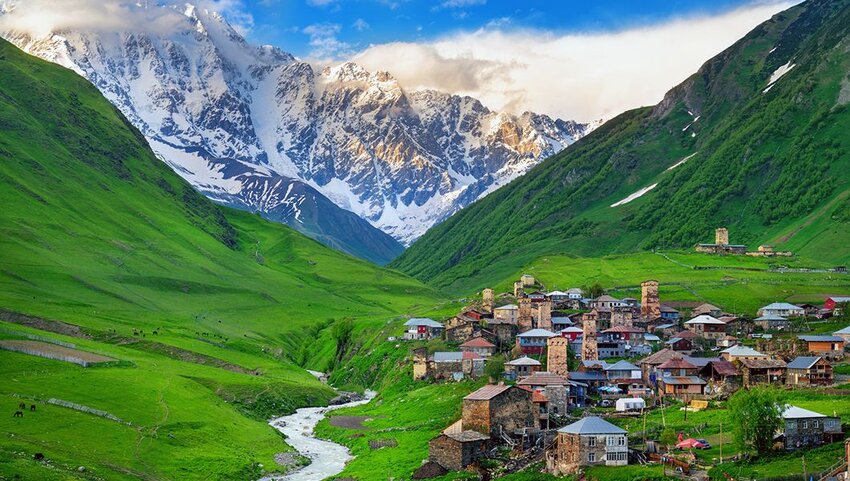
(327, 458)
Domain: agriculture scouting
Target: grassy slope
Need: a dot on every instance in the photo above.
(740, 291)
(96, 232)
(772, 167)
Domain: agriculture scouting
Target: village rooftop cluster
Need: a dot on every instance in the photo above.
(566, 352)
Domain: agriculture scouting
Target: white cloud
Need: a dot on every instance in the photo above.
(573, 76)
(41, 17)
(461, 3)
(325, 45)
(360, 25)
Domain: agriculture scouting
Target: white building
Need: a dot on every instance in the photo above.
(782, 309)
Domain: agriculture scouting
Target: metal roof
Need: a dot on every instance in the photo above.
(543, 378)
(467, 436)
(705, 319)
(537, 333)
(592, 425)
(771, 317)
(677, 363)
(622, 365)
(523, 361)
(507, 307)
(742, 351)
(783, 306)
(422, 321)
(821, 338)
(660, 357)
(803, 362)
(762, 363)
(794, 412)
(448, 356)
(487, 392)
(682, 380)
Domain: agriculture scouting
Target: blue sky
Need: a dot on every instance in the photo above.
(355, 24)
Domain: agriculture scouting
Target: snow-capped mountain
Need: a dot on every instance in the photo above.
(244, 123)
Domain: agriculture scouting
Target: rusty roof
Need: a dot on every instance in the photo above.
(487, 392)
(478, 342)
(661, 357)
(467, 436)
(543, 378)
(724, 368)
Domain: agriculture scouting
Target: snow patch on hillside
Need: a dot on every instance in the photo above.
(634, 196)
(680, 162)
(777, 74)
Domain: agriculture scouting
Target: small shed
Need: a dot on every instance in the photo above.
(630, 404)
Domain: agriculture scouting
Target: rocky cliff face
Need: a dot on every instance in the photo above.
(242, 123)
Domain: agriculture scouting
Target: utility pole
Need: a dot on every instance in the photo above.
(721, 442)
(685, 400)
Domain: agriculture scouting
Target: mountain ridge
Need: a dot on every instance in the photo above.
(751, 142)
(359, 138)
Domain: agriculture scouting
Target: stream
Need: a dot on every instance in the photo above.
(326, 458)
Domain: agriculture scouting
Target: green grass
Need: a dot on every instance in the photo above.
(211, 312)
(733, 289)
(780, 465)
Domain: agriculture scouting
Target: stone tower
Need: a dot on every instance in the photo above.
(544, 315)
(721, 236)
(557, 355)
(519, 289)
(488, 298)
(524, 322)
(589, 350)
(650, 304)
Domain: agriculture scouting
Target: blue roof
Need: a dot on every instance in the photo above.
(821, 338)
(622, 366)
(803, 362)
(784, 306)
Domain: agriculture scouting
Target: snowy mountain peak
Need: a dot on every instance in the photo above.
(229, 116)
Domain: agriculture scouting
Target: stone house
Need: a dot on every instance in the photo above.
(422, 328)
(527, 280)
(680, 344)
(534, 341)
(507, 312)
(607, 348)
(480, 346)
(522, 367)
(499, 410)
(782, 309)
(591, 441)
(809, 371)
(720, 371)
(806, 429)
(761, 371)
(830, 347)
(554, 388)
(607, 302)
(772, 322)
(706, 327)
(457, 450)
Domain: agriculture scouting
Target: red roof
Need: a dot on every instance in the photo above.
(478, 342)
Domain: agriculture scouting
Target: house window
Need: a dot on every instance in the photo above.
(621, 441)
(591, 442)
(815, 424)
(591, 457)
(805, 425)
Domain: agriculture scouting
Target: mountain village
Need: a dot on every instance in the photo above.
(563, 367)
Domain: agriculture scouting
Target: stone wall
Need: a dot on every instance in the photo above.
(589, 349)
(650, 303)
(557, 355)
(524, 319)
(488, 300)
(505, 413)
(544, 315)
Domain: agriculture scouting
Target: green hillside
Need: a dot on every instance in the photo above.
(770, 164)
(208, 312)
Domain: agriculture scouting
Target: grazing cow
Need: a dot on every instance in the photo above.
(18, 414)
(32, 407)
(38, 456)
(22, 406)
